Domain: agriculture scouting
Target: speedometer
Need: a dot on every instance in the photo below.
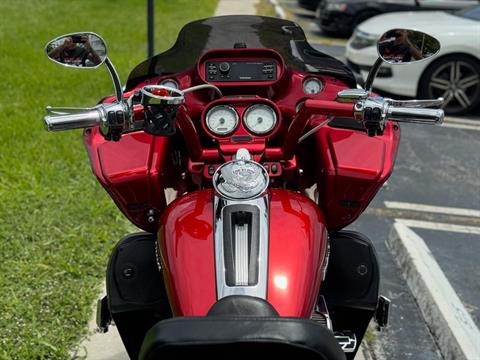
(222, 119)
(260, 118)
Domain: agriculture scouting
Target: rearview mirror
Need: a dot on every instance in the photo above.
(78, 50)
(399, 46)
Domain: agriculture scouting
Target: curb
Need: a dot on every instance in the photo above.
(456, 335)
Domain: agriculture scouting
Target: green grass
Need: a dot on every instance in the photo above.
(57, 225)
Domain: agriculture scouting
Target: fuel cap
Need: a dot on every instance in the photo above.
(240, 179)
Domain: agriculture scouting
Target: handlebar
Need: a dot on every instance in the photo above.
(415, 115)
(79, 120)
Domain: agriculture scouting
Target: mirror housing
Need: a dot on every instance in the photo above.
(402, 46)
(82, 50)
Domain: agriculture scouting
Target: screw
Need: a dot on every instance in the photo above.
(128, 272)
(362, 269)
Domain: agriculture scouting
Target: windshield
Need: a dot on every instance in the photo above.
(469, 13)
(224, 32)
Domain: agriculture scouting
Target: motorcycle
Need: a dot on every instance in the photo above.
(242, 152)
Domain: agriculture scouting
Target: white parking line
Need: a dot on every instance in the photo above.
(461, 126)
(430, 225)
(432, 209)
(455, 120)
(457, 335)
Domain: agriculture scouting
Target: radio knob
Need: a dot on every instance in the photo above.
(224, 67)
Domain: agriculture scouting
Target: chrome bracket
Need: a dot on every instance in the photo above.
(241, 274)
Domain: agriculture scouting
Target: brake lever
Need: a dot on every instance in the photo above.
(416, 103)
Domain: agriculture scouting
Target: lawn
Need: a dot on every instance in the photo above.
(57, 225)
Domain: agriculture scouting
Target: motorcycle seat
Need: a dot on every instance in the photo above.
(242, 305)
(220, 334)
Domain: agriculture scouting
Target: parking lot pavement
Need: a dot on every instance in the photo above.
(437, 169)
(434, 191)
(306, 20)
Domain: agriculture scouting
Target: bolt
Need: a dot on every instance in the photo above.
(128, 272)
(362, 269)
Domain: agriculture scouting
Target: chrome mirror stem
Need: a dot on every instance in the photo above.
(372, 75)
(115, 78)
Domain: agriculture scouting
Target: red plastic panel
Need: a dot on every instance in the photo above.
(188, 259)
(353, 167)
(298, 241)
(130, 171)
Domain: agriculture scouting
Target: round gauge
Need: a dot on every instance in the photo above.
(312, 86)
(169, 83)
(222, 119)
(260, 118)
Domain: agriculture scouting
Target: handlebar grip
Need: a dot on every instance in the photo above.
(415, 115)
(73, 121)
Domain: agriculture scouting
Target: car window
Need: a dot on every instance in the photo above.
(470, 13)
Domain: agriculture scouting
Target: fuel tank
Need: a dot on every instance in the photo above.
(273, 247)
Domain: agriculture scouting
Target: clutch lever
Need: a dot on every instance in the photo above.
(416, 103)
(64, 110)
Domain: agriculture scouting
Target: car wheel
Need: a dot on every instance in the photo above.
(457, 80)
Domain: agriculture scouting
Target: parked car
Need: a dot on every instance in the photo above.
(340, 17)
(454, 74)
(308, 4)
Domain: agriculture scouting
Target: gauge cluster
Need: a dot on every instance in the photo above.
(257, 119)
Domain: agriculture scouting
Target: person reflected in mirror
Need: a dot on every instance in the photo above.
(395, 46)
(76, 50)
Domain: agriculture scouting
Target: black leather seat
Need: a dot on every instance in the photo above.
(240, 326)
(242, 305)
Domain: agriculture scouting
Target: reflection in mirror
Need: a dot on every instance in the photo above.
(404, 46)
(80, 50)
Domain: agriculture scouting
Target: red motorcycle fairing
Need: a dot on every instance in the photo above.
(297, 248)
(131, 172)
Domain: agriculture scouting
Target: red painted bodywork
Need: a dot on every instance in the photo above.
(187, 253)
(347, 166)
(297, 245)
(298, 242)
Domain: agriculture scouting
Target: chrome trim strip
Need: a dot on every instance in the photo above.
(241, 255)
(260, 289)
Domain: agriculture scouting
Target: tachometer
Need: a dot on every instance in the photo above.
(260, 118)
(222, 119)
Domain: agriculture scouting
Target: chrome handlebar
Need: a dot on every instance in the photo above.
(375, 111)
(415, 115)
(59, 120)
(113, 118)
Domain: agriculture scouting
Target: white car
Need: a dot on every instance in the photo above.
(453, 74)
